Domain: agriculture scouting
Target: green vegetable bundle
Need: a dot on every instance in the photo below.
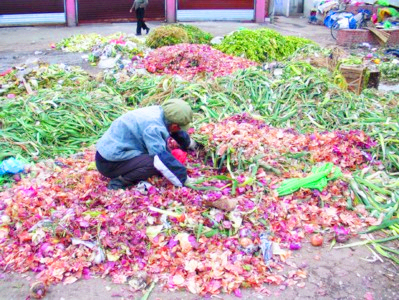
(317, 180)
(261, 45)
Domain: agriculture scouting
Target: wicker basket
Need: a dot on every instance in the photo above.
(336, 55)
(354, 76)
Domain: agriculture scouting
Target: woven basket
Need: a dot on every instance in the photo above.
(354, 76)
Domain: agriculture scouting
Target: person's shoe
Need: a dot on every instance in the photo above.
(147, 30)
(138, 33)
(116, 183)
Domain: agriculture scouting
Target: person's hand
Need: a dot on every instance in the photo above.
(194, 145)
(131, 10)
(190, 181)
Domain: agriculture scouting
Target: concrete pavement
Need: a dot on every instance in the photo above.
(19, 44)
(40, 37)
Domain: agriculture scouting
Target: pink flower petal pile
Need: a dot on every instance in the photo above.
(189, 60)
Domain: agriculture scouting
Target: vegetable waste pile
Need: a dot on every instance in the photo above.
(189, 60)
(50, 110)
(117, 46)
(261, 45)
(66, 212)
(177, 34)
(290, 157)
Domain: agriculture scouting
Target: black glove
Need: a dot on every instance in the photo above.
(182, 138)
(185, 141)
(194, 145)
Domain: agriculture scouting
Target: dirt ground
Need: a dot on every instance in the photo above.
(340, 274)
(347, 273)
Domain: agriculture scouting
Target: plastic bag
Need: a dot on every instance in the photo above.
(12, 166)
(343, 23)
(387, 25)
(180, 155)
(143, 187)
(318, 179)
(355, 20)
(266, 247)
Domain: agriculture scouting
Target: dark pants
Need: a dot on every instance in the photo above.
(140, 20)
(132, 171)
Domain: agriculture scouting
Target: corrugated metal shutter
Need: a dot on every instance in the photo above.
(187, 15)
(215, 10)
(27, 12)
(117, 11)
(30, 6)
(215, 4)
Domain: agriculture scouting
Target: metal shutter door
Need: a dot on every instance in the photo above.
(24, 12)
(117, 11)
(215, 10)
(216, 4)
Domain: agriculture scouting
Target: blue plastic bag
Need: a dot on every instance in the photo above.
(12, 166)
(352, 23)
(328, 21)
(266, 247)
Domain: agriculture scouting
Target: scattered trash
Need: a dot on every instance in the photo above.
(143, 187)
(295, 246)
(11, 166)
(341, 234)
(365, 45)
(139, 281)
(98, 255)
(38, 290)
(153, 231)
(248, 246)
(225, 203)
(217, 40)
(148, 293)
(317, 180)
(316, 240)
(342, 238)
(266, 247)
(108, 62)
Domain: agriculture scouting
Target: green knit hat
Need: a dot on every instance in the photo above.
(179, 112)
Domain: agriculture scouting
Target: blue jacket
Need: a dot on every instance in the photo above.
(140, 131)
(144, 131)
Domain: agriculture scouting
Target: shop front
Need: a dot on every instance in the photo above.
(28, 12)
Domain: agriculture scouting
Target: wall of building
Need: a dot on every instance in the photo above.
(307, 7)
(352, 37)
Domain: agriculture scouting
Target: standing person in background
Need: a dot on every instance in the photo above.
(139, 6)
